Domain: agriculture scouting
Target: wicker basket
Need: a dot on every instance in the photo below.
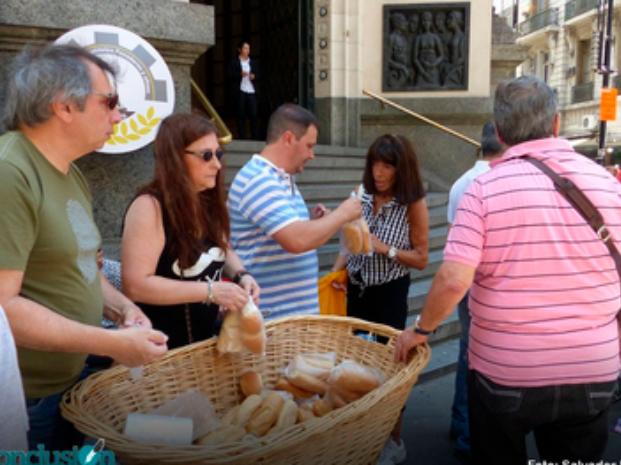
(354, 434)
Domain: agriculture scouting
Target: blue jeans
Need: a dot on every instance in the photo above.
(570, 421)
(460, 429)
(47, 425)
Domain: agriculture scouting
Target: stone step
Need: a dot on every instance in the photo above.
(236, 160)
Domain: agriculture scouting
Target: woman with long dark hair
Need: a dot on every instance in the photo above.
(394, 207)
(175, 245)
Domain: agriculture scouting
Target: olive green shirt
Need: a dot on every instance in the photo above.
(47, 231)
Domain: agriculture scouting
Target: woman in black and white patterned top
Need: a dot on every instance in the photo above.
(395, 209)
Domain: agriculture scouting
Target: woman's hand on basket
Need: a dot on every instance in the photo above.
(249, 284)
(136, 346)
(229, 296)
(406, 341)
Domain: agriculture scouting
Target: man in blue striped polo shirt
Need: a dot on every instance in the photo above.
(271, 229)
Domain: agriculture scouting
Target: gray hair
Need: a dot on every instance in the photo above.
(40, 77)
(289, 117)
(524, 109)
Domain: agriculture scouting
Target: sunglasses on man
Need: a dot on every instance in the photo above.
(111, 100)
(207, 155)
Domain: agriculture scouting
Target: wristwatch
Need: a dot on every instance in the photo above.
(239, 275)
(418, 330)
(392, 252)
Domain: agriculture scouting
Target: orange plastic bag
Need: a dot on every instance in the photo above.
(332, 301)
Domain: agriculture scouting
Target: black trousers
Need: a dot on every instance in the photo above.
(570, 422)
(247, 109)
(385, 304)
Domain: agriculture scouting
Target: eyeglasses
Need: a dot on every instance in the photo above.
(112, 100)
(207, 154)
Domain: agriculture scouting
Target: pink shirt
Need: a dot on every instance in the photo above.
(546, 291)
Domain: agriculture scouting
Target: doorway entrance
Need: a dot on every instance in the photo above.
(280, 34)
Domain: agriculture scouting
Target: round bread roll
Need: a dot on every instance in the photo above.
(255, 343)
(352, 237)
(250, 322)
(250, 383)
(231, 417)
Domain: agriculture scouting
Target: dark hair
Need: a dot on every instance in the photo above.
(190, 217)
(490, 145)
(290, 117)
(41, 76)
(241, 43)
(524, 109)
(396, 151)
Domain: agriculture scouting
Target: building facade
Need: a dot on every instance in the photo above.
(563, 41)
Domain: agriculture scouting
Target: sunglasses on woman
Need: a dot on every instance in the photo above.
(207, 154)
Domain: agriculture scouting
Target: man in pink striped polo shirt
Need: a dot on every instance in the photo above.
(545, 296)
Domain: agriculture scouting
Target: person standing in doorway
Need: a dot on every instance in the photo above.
(243, 77)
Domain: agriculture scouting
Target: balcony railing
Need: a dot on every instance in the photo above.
(582, 92)
(577, 7)
(545, 18)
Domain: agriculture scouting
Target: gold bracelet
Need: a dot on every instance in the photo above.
(210, 297)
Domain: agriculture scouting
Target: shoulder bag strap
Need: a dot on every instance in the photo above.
(583, 205)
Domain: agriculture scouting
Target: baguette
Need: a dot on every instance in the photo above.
(250, 383)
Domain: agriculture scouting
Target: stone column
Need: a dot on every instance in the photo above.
(180, 31)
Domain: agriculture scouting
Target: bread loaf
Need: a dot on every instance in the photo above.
(366, 237)
(288, 415)
(284, 385)
(250, 322)
(345, 394)
(322, 407)
(335, 399)
(224, 435)
(266, 415)
(250, 383)
(255, 343)
(307, 382)
(352, 236)
(230, 418)
(305, 415)
(247, 408)
(357, 380)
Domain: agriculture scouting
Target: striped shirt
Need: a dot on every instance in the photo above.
(546, 290)
(263, 199)
(391, 226)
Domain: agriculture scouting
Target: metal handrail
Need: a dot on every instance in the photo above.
(421, 117)
(225, 134)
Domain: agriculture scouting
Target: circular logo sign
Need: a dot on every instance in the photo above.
(144, 84)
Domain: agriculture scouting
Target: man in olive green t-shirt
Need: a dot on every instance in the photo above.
(60, 105)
